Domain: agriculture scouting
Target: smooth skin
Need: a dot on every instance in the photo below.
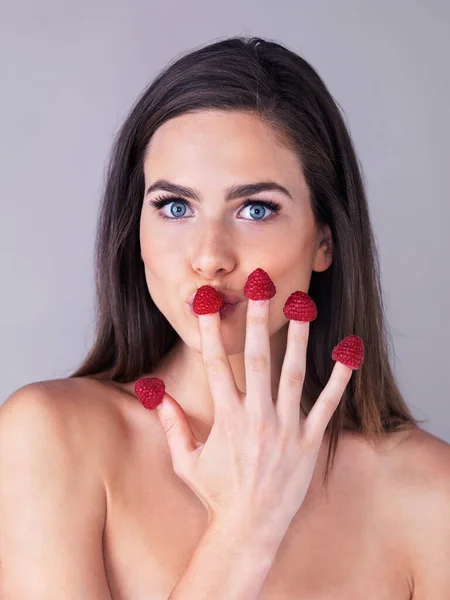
(259, 458)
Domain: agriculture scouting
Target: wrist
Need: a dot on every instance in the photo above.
(261, 538)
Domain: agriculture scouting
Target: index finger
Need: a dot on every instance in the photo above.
(221, 380)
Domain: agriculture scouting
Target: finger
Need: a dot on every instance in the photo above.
(292, 376)
(320, 415)
(179, 435)
(257, 358)
(220, 376)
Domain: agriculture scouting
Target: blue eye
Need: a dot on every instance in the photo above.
(178, 214)
(178, 208)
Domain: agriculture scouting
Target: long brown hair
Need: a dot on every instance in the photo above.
(267, 79)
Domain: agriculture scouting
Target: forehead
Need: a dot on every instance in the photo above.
(222, 145)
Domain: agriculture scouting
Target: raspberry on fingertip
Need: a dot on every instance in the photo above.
(259, 286)
(150, 391)
(300, 307)
(349, 352)
(207, 300)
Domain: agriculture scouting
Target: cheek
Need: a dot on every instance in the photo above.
(289, 255)
(160, 264)
(299, 249)
(162, 267)
(157, 248)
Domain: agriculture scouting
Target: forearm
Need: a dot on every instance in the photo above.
(228, 564)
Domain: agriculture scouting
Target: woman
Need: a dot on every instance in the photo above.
(271, 469)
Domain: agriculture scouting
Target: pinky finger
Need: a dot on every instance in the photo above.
(319, 416)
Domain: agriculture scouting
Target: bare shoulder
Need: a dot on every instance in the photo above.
(64, 401)
(420, 460)
(94, 418)
(56, 441)
(86, 413)
(418, 467)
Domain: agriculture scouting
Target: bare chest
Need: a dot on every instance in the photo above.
(341, 545)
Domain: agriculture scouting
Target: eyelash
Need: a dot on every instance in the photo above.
(161, 201)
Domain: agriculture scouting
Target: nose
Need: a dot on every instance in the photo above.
(213, 251)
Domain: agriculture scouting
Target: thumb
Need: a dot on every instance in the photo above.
(180, 438)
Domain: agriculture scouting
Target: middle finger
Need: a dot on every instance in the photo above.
(257, 358)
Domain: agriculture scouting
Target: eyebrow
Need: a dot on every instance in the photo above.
(232, 193)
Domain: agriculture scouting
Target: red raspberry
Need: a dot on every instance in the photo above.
(259, 286)
(350, 352)
(150, 391)
(207, 300)
(300, 307)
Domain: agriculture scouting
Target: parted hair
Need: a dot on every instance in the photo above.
(265, 78)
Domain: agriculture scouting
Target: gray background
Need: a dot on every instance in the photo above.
(70, 71)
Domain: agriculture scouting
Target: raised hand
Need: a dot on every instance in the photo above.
(259, 458)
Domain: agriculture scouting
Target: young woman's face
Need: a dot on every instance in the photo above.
(214, 241)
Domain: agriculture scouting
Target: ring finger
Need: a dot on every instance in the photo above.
(292, 376)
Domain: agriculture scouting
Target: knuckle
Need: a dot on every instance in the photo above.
(295, 377)
(215, 365)
(257, 364)
(329, 405)
(227, 419)
(227, 426)
(259, 425)
(167, 424)
(285, 438)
